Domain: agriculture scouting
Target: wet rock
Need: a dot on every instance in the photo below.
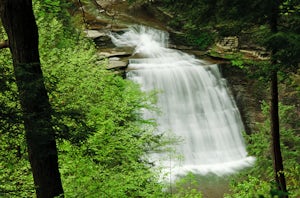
(93, 34)
(117, 64)
(114, 54)
(103, 41)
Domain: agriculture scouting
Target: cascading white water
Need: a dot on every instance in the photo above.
(195, 104)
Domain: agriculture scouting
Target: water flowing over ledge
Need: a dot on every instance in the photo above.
(195, 105)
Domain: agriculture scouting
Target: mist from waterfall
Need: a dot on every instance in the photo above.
(194, 101)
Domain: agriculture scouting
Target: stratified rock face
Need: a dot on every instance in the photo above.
(237, 44)
(247, 94)
(230, 43)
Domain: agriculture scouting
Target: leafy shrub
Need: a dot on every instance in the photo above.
(103, 139)
(187, 187)
(258, 180)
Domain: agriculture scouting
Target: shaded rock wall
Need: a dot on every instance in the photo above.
(248, 94)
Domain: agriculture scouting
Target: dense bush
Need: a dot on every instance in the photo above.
(102, 137)
(258, 180)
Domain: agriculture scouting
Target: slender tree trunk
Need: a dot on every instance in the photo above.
(19, 22)
(274, 111)
(277, 158)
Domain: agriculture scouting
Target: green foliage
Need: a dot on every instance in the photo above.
(107, 157)
(228, 17)
(50, 9)
(237, 62)
(103, 139)
(187, 187)
(200, 39)
(194, 37)
(89, 171)
(258, 180)
(139, 2)
(15, 175)
(85, 176)
(234, 17)
(286, 46)
(229, 28)
(252, 187)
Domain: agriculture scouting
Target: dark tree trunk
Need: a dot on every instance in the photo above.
(277, 158)
(19, 22)
(274, 111)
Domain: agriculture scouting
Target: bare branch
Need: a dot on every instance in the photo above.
(83, 14)
(103, 9)
(98, 5)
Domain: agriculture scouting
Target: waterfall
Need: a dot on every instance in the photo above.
(194, 101)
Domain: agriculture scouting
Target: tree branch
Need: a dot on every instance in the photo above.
(83, 14)
(4, 44)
